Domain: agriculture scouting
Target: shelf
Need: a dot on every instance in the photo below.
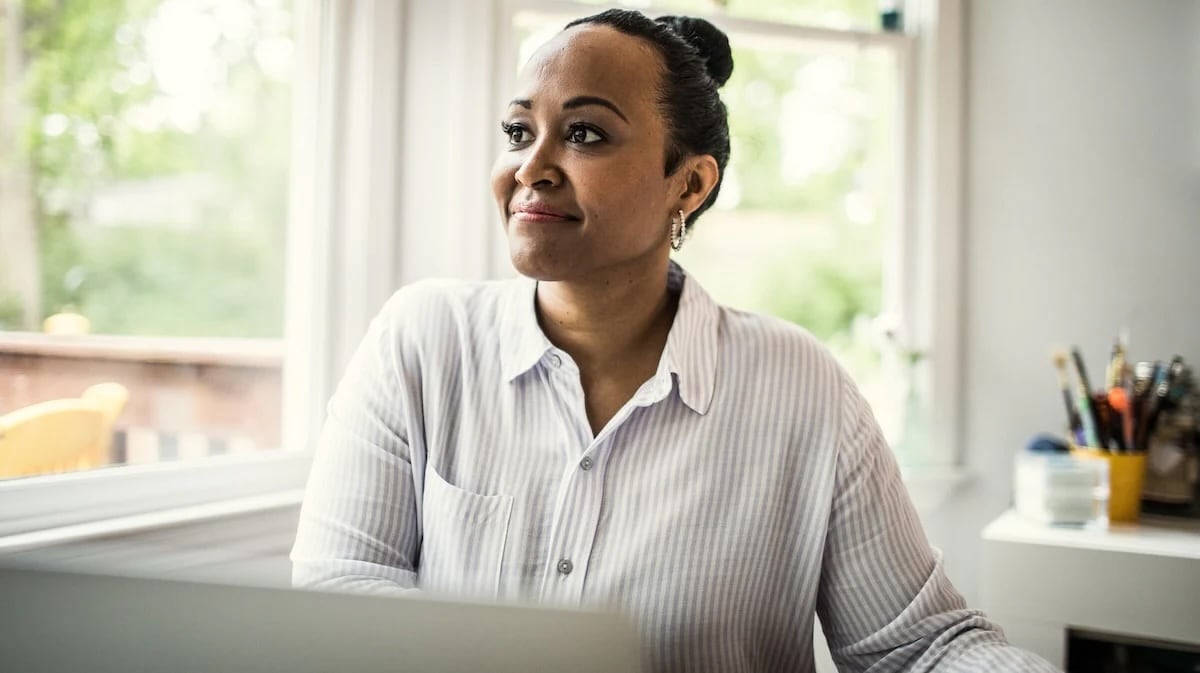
(1139, 580)
(1153, 535)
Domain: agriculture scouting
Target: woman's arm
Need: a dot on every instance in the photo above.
(885, 601)
(360, 522)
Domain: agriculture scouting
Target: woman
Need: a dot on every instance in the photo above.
(601, 433)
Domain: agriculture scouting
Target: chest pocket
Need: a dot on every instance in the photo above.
(464, 539)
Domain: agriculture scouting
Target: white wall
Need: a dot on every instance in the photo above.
(1083, 216)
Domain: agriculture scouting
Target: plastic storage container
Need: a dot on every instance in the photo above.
(1061, 489)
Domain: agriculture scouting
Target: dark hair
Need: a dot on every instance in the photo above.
(697, 62)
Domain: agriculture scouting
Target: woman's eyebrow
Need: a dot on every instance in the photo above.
(581, 101)
(576, 102)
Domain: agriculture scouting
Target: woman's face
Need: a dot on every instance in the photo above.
(580, 185)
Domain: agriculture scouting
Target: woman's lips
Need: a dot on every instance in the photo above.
(531, 212)
(530, 216)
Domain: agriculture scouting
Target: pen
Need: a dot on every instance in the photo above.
(1073, 418)
(1163, 381)
(1116, 363)
(1122, 423)
(1087, 411)
(1105, 418)
(1177, 387)
(1156, 392)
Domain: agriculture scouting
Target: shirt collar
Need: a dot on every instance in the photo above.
(522, 342)
(690, 354)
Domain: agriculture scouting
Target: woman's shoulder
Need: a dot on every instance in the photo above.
(772, 353)
(447, 294)
(766, 335)
(436, 305)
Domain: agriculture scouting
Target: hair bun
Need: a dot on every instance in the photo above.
(712, 44)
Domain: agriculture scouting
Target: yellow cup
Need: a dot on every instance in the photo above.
(1126, 472)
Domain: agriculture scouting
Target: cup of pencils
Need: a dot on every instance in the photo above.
(1115, 423)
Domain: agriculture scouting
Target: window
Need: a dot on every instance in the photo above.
(335, 68)
(144, 208)
(815, 223)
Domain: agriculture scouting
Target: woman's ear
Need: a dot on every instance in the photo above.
(700, 174)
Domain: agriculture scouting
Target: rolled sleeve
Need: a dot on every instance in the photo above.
(360, 522)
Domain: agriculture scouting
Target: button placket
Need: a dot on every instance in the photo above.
(573, 540)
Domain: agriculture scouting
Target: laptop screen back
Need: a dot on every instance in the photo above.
(64, 622)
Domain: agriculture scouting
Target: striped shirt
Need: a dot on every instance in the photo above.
(743, 489)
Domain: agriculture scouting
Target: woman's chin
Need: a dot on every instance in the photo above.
(541, 262)
(537, 267)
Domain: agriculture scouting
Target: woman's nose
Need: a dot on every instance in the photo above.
(539, 168)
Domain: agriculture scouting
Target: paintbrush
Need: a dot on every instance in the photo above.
(1073, 419)
(1087, 411)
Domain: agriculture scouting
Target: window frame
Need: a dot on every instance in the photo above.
(922, 274)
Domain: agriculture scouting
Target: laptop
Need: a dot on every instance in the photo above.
(59, 622)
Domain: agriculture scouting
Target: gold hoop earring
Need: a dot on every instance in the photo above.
(677, 239)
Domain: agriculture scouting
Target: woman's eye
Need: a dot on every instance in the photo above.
(517, 134)
(583, 135)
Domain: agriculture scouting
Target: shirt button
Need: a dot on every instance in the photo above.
(565, 567)
(555, 360)
(586, 463)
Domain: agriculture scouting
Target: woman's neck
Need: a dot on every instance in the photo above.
(615, 319)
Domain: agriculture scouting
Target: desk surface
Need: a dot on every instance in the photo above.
(1160, 536)
(1136, 580)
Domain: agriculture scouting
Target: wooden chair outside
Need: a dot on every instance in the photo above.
(111, 396)
(60, 435)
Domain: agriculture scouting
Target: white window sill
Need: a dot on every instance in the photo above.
(151, 521)
(38, 504)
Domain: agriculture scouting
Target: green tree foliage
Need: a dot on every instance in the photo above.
(74, 57)
(803, 258)
(108, 125)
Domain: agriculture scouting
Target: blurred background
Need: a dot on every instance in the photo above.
(203, 202)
